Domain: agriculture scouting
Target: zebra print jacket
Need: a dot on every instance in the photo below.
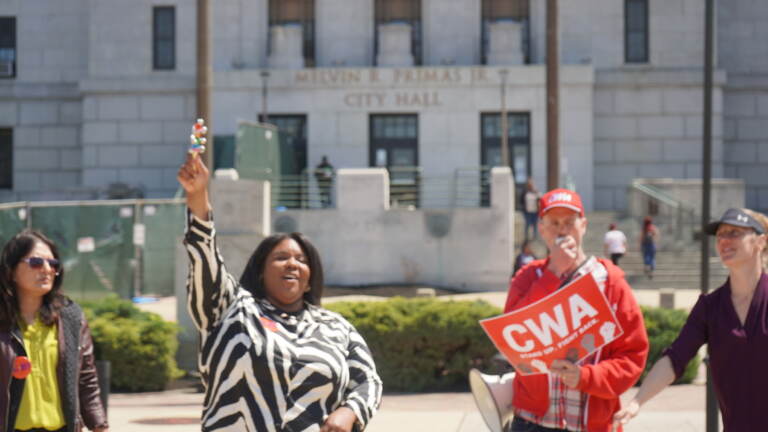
(264, 369)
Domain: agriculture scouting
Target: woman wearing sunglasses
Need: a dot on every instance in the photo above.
(733, 322)
(47, 375)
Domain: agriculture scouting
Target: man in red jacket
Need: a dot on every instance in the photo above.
(579, 397)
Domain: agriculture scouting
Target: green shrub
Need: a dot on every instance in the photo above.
(140, 345)
(423, 344)
(663, 326)
(430, 345)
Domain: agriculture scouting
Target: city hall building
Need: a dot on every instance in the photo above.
(98, 92)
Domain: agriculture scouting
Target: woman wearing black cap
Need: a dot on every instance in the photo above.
(732, 321)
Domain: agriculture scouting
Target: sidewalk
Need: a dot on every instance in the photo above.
(678, 409)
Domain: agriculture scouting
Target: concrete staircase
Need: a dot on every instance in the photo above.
(679, 269)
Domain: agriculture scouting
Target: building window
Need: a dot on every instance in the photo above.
(293, 190)
(223, 152)
(7, 47)
(518, 141)
(164, 38)
(6, 158)
(394, 144)
(636, 31)
(300, 13)
(404, 12)
(505, 10)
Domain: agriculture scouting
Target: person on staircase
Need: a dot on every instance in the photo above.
(614, 244)
(649, 239)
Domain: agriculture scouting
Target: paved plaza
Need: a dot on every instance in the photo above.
(678, 409)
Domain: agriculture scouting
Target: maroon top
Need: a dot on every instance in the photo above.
(738, 354)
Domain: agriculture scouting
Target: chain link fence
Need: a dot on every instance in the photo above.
(123, 247)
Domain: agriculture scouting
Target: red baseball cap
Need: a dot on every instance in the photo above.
(560, 198)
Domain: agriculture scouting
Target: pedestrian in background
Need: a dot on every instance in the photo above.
(649, 239)
(614, 244)
(48, 378)
(733, 321)
(530, 204)
(525, 256)
(324, 177)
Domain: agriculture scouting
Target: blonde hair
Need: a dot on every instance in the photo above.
(763, 219)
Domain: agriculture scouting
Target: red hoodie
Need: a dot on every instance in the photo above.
(619, 364)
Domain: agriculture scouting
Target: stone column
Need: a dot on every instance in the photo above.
(362, 189)
(505, 43)
(286, 47)
(394, 45)
(503, 202)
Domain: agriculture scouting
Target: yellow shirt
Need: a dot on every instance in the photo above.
(41, 401)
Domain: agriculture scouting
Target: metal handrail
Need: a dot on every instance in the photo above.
(667, 199)
(658, 194)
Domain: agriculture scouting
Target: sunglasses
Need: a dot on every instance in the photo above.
(38, 263)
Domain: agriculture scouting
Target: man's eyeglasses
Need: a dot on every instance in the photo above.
(38, 263)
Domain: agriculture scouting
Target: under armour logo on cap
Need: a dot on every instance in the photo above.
(736, 217)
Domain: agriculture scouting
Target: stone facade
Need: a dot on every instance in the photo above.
(87, 109)
(648, 123)
(447, 100)
(743, 53)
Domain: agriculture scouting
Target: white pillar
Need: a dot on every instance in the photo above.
(362, 189)
(394, 45)
(287, 47)
(505, 43)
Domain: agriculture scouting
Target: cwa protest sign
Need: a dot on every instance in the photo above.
(570, 324)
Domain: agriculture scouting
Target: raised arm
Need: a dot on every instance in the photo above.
(210, 288)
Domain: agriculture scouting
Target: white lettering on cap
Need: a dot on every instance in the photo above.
(742, 218)
(560, 196)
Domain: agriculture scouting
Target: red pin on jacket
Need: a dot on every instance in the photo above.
(21, 367)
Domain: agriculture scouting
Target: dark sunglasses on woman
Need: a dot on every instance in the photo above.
(37, 262)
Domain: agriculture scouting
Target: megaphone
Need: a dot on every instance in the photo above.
(493, 396)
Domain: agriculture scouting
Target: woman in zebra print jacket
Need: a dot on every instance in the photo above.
(271, 359)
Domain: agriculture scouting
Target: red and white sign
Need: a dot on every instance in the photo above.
(569, 324)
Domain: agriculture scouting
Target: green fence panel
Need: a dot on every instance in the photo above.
(103, 263)
(164, 224)
(258, 151)
(12, 220)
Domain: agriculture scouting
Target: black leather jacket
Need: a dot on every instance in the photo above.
(76, 373)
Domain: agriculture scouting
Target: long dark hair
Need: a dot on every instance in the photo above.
(253, 275)
(13, 252)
